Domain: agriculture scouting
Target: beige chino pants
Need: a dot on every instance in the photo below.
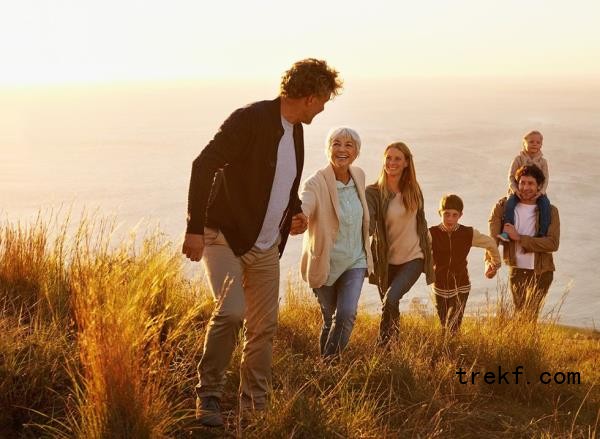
(246, 290)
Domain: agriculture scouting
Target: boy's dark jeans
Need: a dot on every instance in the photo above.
(543, 204)
(451, 310)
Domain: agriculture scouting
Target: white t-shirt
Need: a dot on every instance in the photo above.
(285, 173)
(525, 219)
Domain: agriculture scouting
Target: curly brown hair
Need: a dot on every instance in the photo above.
(308, 77)
(531, 171)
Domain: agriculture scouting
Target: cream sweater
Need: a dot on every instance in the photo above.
(524, 159)
(403, 239)
(321, 205)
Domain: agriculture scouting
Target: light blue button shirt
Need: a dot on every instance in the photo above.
(348, 251)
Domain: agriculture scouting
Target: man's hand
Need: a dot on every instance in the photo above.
(491, 271)
(512, 232)
(193, 246)
(299, 224)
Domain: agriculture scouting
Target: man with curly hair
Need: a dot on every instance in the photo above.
(242, 204)
(527, 255)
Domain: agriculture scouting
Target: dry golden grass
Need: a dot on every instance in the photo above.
(100, 339)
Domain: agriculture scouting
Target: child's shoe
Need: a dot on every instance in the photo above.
(503, 237)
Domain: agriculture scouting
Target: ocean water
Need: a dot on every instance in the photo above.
(126, 150)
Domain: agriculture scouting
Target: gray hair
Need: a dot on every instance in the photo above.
(343, 133)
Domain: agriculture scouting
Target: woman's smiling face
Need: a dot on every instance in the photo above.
(395, 162)
(342, 152)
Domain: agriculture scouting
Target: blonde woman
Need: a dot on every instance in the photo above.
(336, 254)
(401, 248)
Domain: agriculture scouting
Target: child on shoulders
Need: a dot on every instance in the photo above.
(531, 154)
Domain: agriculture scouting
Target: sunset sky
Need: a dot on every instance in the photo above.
(63, 41)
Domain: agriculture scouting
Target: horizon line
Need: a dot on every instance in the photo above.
(263, 79)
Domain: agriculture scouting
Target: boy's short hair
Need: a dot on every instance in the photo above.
(451, 201)
(531, 171)
(310, 77)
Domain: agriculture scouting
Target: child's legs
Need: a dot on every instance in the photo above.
(458, 310)
(509, 209)
(441, 305)
(543, 204)
(451, 310)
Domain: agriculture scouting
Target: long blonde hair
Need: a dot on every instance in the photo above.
(412, 197)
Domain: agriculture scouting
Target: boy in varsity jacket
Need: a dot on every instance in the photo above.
(451, 243)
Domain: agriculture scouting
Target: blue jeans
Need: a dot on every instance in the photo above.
(401, 278)
(338, 306)
(543, 204)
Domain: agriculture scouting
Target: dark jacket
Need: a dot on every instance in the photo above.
(450, 251)
(232, 177)
(379, 245)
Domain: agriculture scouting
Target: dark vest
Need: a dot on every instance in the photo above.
(450, 250)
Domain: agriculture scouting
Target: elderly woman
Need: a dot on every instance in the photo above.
(336, 254)
(401, 246)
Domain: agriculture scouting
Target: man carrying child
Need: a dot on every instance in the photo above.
(528, 255)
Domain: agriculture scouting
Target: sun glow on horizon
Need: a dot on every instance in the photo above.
(46, 42)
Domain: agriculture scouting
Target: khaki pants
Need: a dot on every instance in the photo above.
(245, 287)
(529, 291)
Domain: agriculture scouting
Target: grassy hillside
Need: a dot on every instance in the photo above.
(99, 340)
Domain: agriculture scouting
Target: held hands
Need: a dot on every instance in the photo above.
(193, 246)
(299, 224)
(511, 231)
(491, 270)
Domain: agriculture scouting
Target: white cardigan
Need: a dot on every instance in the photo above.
(321, 205)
